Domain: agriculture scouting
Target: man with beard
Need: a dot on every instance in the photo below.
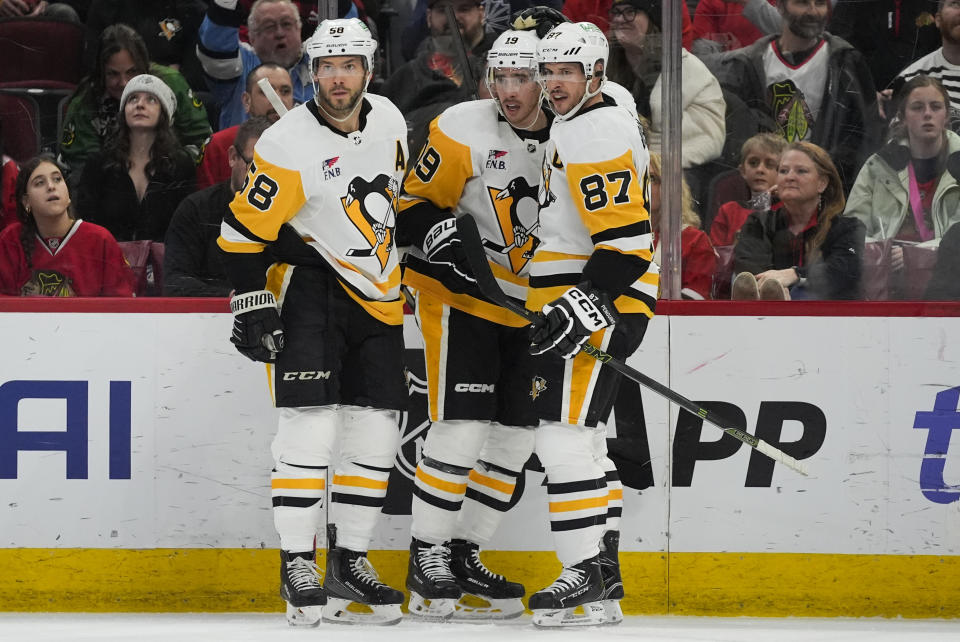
(806, 84)
(215, 166)
(942, 64)
(274, 31)
(328, 318)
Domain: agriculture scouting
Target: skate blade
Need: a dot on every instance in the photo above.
(590, 614)
(341, 611)
(613, 612)
(304, 615)
(475, 608)
(431, 610)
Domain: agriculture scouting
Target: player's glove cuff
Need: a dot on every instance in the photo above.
(568, 322)
(257, 329)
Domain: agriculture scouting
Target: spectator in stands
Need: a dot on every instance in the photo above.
(944, 284)
(49, 253)
(723, 25)
(192, 264)
(35, 9)
(804, 249)
(168, 27)
(808, 85)
(8, 184)
(433, 80)
(274, 31)
(697, 259)
(943, 63)
(309, 19)
(635, 62)
(94, 109)
(134, 185)
(909, 190)
(759, 164)
(216, 166)
(598, 12)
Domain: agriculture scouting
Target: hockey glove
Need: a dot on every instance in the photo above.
(442, 246)
(569, 321)
(540, 18)
(257, 330)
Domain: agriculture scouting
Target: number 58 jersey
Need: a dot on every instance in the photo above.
(319, 196)
(594, 211)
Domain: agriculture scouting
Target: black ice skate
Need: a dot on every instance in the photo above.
(487, 596)
(433, 588)
(351, 579)
(612, 582)
(580, 585)
(300, 588)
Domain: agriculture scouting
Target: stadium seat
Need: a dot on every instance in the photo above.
(724, 187)
(145, 259)
(51, 98)
(19, 126)
(40, 49)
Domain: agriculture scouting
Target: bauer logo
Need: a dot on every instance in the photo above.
(54, 416)
(939, 424)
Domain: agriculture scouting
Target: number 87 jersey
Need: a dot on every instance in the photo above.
(594, 211)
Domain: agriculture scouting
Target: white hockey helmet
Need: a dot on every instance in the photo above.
(512, 50)
(342, 37)
(581, 42)
(577, 42)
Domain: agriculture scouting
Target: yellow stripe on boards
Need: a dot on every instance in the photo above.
(726, 584)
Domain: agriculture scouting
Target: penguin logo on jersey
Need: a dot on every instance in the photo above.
(545, 196)
(372, 207)
(519, 241)
(538, 386)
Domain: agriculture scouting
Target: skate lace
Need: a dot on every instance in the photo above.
(304, 574)
(363, 570)
(475, 558)
(435, 562)
(568, 579)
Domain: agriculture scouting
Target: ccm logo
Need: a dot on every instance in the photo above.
(308, 375)
(474, 387)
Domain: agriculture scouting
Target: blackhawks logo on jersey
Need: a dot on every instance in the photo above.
(519, 241)
(372, 207)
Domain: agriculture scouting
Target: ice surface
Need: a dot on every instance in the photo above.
(59, 627)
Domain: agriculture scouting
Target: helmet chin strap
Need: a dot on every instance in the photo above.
(587, 95)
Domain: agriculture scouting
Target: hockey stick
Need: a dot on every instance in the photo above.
(272, 96)
(477, 257)
(469, 82)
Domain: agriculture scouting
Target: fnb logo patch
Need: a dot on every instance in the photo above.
(495, 159)
(329, 171)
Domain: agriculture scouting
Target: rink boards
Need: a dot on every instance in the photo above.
(134, 467)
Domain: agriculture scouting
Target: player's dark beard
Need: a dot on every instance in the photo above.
(806, 26)
(329, 106)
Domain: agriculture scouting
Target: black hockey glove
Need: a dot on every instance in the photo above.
(442, 246)
(257, 330)
(540, 18)
(569, 321)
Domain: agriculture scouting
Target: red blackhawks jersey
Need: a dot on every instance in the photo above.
(338, 192)
(85, 262)
(474, 162)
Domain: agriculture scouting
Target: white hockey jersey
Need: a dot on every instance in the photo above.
(474, 162)
(338, 191)
(594, 195)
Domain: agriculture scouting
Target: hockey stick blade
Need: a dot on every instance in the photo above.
(477, 258)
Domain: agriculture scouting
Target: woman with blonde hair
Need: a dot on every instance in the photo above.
(804, 249)
(698, 260)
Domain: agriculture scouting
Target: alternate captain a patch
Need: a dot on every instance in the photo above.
(372, 208)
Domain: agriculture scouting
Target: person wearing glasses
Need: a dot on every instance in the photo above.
(192, 265)
(274, 32)
(215, 166)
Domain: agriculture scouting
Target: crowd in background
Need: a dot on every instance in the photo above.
(818, 138)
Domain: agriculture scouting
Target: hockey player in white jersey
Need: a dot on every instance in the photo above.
(482, 158)
(592, 278)
(327, 319)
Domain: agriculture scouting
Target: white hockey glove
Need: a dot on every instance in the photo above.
(257, 329)
(569, 321)
(443, 246)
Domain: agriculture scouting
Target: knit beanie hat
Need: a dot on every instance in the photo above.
(152, 85)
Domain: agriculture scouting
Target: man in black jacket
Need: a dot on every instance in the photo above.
(191, 259)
